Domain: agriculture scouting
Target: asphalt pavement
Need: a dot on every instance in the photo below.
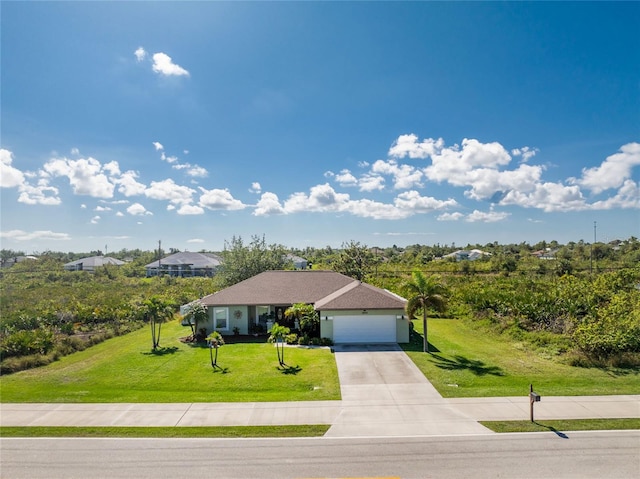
(383, 395)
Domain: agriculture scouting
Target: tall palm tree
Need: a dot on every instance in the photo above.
(157, 311)
(425, 293)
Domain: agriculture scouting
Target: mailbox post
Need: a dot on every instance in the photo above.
(533, 398)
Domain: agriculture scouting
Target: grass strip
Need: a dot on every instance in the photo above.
(563, 425)
(309, 430)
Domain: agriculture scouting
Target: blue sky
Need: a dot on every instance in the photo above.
(315, 124)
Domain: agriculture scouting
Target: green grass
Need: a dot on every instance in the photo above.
(563, 425)
(124, 369)
(311, 430)
(469, 362)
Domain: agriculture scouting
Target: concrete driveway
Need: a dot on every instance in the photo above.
(385, 394)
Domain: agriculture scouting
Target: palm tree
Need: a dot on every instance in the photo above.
(277, 336)
(157, 311)
(216, 341)
(196, 313)
(424, 293)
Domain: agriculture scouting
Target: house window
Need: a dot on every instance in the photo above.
(221, 319)
(262, 313)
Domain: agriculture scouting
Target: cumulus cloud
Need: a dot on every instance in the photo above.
(20, 235)
(163, 64)
(158, 146)
(170, 191)
(269, 204)
(86, 176)
(10, 177)
(414, 202)
(218, 199)
(128, 185)
(486, 217)
(408, 145)
(613, 171)
(190, 210)
(95, 220)
(137, 209)
(40, 194)
(404, 176)
(255, 188)
(140, 54)
(456, 216)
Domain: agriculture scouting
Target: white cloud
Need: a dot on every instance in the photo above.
(95, 220)
(345, 178)
(269, 204)
(548, 197)
(255, 188)
(140, 54)
(415, 203)
(450, 216)
(613, 171)
(404, 176)
(628, 196)
(86, 176)
(168, 190)
(195, 240)
(102, 208)
(321, 198)
(120, 213)
(10, 177)
(486, 217)
(366, 208)
(195, 171)
(39, 195)
(190, 210)
(19, 235)
(218, 199)
(137, 209)
(128, 186)
(163, 65)
(407, 145)
(525, 152)
(158, 146)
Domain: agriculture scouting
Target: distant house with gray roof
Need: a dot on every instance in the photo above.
(185, 264)
(92, 263)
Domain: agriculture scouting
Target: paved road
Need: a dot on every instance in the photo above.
(533, 455)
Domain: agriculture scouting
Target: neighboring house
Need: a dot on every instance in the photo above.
(185, 264)
(469, 255)
(92, 263)
(547, 253)
(298, 262)
(350, 311)
(8, 262)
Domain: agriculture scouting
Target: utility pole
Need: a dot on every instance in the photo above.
(159, 256)
(591, 249)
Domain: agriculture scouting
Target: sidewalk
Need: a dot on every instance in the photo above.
(316, 412)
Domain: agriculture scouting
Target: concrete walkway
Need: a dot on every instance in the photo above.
(383, 394)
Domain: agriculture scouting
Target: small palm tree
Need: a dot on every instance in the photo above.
(157, 311)
(216, 341)
(277, 336)
(425, 293)
(196, 313)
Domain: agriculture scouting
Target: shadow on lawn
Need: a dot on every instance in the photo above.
(460, 363)
(290, 369)
(162, 351)
(552, 429)
(416, 343)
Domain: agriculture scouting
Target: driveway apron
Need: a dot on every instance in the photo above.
(385, 394)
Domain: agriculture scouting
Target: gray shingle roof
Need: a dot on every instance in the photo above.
(332, 290)
(95, 261)
(195, 260)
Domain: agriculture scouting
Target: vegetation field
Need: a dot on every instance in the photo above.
(468, 361)
(124, 369)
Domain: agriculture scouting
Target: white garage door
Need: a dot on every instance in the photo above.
(364, 329)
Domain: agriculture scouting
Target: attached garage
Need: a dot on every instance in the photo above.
(364, 329)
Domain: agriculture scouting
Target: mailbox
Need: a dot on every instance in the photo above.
(535, 397)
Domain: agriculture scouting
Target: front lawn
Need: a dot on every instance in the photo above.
(469, 362)
(124, 369)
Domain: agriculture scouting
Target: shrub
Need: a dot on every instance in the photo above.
(291, 338)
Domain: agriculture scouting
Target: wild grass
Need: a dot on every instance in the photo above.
(468, 361)
(125, 369)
